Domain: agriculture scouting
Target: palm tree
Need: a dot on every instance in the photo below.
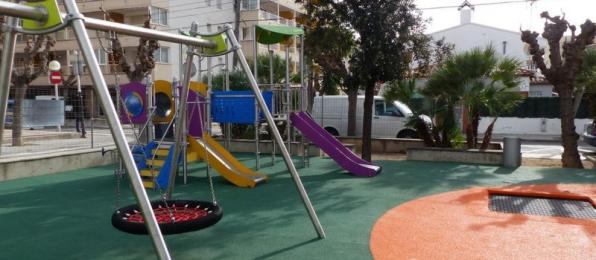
(476, 79)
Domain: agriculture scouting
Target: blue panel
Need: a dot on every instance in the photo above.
(236, 106)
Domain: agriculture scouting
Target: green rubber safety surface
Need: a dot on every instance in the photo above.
(67, 215)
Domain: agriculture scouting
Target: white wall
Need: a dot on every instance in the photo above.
(541, 91)
(531, 128)
(471, 35)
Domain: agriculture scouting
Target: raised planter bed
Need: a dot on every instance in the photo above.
(471, 156)
(394, 145)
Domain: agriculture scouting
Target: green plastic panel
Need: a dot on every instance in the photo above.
(220, 40)
(54, 17)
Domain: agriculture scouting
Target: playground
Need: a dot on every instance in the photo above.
(66, 215)
(176, 192)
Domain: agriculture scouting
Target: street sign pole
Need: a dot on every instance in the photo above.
(55, 78)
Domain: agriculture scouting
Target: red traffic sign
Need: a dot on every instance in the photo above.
(55, 77)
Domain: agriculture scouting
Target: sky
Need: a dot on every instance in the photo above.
(509, 16)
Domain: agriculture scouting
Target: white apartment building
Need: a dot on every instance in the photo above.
(212, 15)
(122, 11)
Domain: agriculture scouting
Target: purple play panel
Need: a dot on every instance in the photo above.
(196, 106)
(333, 147)
(131, 89)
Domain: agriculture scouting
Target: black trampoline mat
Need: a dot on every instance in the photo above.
(580, 209)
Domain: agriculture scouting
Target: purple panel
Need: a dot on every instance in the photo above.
(133, 88)
(195, 108)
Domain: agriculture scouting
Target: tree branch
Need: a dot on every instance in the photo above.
(537, 53)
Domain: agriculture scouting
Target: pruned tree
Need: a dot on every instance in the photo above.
(565, 64)
(144, 62)
(31, 64)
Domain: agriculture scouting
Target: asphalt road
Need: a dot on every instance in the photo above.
(550, 150)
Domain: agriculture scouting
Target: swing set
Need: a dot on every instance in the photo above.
(165, 216)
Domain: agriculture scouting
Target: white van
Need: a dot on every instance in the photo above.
(389, 120)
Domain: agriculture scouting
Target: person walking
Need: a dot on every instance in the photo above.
(79, 115)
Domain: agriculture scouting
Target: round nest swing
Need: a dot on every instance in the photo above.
(173, 216)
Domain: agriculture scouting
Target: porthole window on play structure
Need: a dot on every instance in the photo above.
(163, 104)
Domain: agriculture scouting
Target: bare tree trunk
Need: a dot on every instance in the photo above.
(352, 105)
(367, 121)
(570, 157)
(488, 134)
(475, 123)
(469, 134)
(17, 116)
(312, 92)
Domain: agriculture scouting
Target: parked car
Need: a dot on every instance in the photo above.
(589, 135)
(389, 119)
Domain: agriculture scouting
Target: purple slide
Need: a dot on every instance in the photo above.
(333, 147)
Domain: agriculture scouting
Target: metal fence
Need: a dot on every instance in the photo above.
(70, 122)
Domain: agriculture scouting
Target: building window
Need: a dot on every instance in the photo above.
(159, 15)
(162, 55)
(219, 4)
(504, 47)
(102, 56)
(247, 33)
(250, 4)
(72, 61)
(63, 34)
(209, 27)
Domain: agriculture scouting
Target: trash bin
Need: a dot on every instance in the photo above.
(512, 152)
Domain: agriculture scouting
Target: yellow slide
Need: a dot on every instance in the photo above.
(224, 162)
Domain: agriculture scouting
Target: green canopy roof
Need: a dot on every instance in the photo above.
(272, 34)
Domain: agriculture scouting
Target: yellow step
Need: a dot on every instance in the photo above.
(155, 163)
(148, 184)
(161, 152)
(149, 173)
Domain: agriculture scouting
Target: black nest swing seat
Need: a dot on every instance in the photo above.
(173, 216)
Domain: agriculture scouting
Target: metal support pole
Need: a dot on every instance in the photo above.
(101, 88)
(257, 150)
(288, 100)
(10, 38)
(22, 11)
(184, 144)
(273, 97)
(303, 101)
(150, 107)
(207, 118)
(288, 160)
(57, 98)
(255, 52)
(181, 115)
(227, 126)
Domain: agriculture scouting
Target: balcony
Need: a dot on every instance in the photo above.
(94, 5)
(264, 17)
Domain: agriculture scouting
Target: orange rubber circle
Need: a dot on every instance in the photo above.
(459, 225)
